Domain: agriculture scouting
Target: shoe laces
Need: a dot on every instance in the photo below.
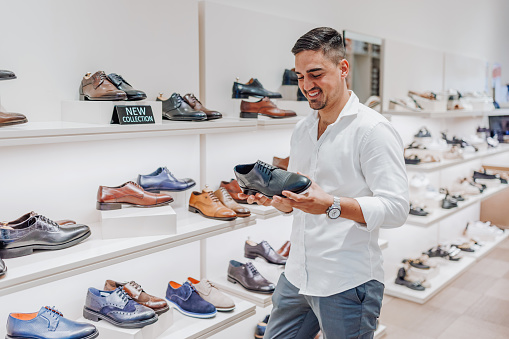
(252, 268)
(226, 195)
(54, 311)
(179, 100)
(122, 294)
(264, 167)
(119, 78)
(136, 286)
(194, 99)
(211, 195)
(48, 222)
(135, 184)
(169, 173)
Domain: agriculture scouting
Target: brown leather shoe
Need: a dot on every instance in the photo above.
(281, 162)
(65, 222)
(130, 193)
(234, 189)
(263, 107)
(208, 205)
(7, 119)
(139, 295)
(285, 249)
(99, 87)
(197, 105)
(226, 199)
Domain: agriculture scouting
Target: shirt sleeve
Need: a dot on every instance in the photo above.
(383, 166)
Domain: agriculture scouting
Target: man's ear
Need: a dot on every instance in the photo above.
(344, 68)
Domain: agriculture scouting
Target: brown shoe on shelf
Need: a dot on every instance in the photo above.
(197, 105)
(65, 222)
(139, 295)
(209, 206)
(7, 119)
(130, 193)
(234, 189)
(226, 199)
(263, 107)
(281, 162)
(97, 86)
(285, 249)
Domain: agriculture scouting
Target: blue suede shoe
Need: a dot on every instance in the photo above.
(163, 180)
(48, 323)
(117, 308)
(187, 301)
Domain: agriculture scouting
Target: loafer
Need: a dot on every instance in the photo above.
(176, 108)
(226, 199)
(8, 119)
(97, 86)
(248, 277)
(117, 308)
(252, 88)
(209, 292)
(263, 250)
(197, 105)
(163, 180)
(137, 293)
(188, 302)
(208, 205)
(269, 180)
(285, 249)
(121, 84)
(263, 107)
(131, 194)
(3, 268)
(47, 323)
(7, 75)
(234, 190)
(36, 232)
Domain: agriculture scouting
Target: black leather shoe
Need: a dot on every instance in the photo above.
(263, 250)
(481, 175)
(269, 180)
(252, 88)
(248, 277)
(290, 77)
(175, 108)
(7, 75)
(3, 268)
(36, 232)
(121, 84)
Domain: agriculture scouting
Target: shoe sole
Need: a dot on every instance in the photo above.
(92, 336)
(195, 210)
(235, 281)
(261, 256)
(17, 122)
(107, 206)
(192, 314)
(251, 191)
(160, 311)
(95, 316)
(229, 309)
(26, 250)
(184, 119)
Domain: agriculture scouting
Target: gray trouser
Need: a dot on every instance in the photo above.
(346, 315)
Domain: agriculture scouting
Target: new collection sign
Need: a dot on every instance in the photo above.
(132, 115)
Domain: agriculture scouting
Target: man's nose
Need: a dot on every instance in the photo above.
(307, 84)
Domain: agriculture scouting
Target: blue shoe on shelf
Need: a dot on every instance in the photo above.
(47, 323)
(118, 308)
(163, 180)
(261, 327)
(187, 301)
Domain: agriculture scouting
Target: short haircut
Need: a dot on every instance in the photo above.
(324, 39)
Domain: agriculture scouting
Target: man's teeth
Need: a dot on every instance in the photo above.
(313, 94)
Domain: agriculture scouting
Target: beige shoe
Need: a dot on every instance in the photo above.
(210, 293)
(225, 197)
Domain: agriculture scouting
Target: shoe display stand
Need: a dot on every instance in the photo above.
(264, 212)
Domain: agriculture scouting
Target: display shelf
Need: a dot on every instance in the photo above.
(449, 114)
(47, 266)
(383, 244)
(439, 213)
(264, 212)
(58, 131)
(259, 299)
(435, 166)
(487, 247)
(449, 271)
(380, 331)
(185, 327)
(271, 123)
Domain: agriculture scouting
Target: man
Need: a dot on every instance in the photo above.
(333, 279)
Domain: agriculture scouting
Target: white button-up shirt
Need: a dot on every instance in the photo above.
(358, 156)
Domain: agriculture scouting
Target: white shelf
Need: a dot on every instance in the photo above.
(487, 247)
(439, 213)
(274, 123)
(46, 266)
(435, 166)
(58, 131)
(380, 331)
(264, 212)
(185, 327)
(383, 244)
(449, 270)
(259, 299)
(449, 114)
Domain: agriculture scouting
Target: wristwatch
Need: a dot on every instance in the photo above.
(334, 211)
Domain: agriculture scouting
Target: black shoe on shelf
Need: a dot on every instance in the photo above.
(290, 77)
(121, 84)
(175, 108)
(7, 75)
(252, 88)
(400, 280)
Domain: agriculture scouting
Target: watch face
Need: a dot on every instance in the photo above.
(334, 213)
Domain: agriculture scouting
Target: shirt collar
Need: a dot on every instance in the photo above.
(351, 108)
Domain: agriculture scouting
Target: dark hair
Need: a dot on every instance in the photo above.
(324, 39)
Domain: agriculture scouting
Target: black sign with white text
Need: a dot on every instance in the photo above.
(132, 115)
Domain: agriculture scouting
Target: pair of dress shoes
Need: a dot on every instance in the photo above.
(187, 108)
(36, 232)
(136, 292)
(99, 86)
(217, 205)
(252, 250)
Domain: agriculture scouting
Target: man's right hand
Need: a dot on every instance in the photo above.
(277, 202)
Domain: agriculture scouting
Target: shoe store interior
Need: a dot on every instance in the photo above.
(127, 129)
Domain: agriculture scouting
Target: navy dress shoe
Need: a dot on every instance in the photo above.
(269, 180)
(3, 268)
(187, 301)
(36, 232)
(176, 108)
(252, 88)
(117, 308)
(163, 180)
(7, 75)
(48, 323)
(121, 84)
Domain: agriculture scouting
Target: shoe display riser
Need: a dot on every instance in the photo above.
(246, 328)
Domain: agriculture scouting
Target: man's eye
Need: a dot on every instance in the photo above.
(316, 75)
(300, 78)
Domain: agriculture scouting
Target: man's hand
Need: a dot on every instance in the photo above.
(277, 202)
(314, 201)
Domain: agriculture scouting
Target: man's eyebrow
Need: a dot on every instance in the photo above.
(311, 70)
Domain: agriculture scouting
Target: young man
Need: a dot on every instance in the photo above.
(334, 278)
